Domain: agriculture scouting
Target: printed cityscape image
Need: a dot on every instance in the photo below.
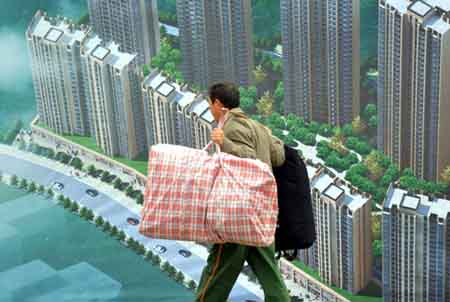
(359, 88)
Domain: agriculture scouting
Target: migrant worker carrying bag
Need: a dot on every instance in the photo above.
(193, 196)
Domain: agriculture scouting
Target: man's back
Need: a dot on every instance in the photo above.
(249, 139)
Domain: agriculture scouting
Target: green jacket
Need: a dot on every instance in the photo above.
(247, 138)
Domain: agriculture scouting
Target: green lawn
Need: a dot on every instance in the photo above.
(342, 292)
(139, 164)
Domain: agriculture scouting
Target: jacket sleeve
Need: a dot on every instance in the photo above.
(277, 155)
(238, 141)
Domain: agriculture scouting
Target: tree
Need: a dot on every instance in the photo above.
(156, 260)
(140, 199)
(409, 183)
(91, 170)
(23, 184)
(446, 175)
(83, 212)
(370, 111)
(148, 255)
(74, 207)
(50, 193)
(32, 187)
(373, 163)
(114, 231)
(131, 243)
(290, 141)
(117, 183)
(121, 235)
(265, 105)
(106, 226)
(14, 180)
(165, 267)
(373, 122)
(337, 142)
(259, 74)
(377, 247)
(192, 285)
(172, 271)
(105, 176)
(179, 277)
(376, 227)
(41, 189)
(77, 163)
(89, 215)
(145, 67)
(314, 127)
(358, 126)
(67, 203)
(99, 221)
(140, 249)
(247, 104)
(325, 130)
(129, 191)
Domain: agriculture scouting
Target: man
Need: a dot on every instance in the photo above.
(245, 138)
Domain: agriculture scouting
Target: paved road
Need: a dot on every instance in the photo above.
(115, 213)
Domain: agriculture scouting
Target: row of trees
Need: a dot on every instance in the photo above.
(120, 235)
(78, 164)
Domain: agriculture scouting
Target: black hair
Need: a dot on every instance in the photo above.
(225, 92)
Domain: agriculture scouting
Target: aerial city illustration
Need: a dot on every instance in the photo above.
(360, 88)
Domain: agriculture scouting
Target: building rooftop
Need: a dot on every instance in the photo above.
(420, 8)
(207, 116)
(410, 202)
(55, 30)
(325, 184)
(53, 34)
(419, 203)
(200, 107)
(333, 191)
(165, 89)
(100, 52)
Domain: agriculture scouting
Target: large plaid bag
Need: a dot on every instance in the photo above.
(193, 196)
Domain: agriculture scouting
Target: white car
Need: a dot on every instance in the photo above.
(58, 186)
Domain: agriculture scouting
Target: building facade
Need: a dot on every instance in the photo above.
(413, 90)
(216, 41)
(115, 98)
(342, 254)
(133, 24)
(58, 79)
(321, 41)
(174, 114)
(416, 247)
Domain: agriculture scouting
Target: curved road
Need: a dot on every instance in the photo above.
(116, 214)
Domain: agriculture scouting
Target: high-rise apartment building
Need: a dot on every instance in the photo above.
(54, 49)
(342, 254)
(115, 98)
(133, 24)
(216, 41)
(174, 114)
(413, 89)
(321, 41)
(416, 247)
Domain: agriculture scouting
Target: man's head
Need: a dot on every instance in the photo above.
(222, 95)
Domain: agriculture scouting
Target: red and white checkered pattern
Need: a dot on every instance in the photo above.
(192, 196)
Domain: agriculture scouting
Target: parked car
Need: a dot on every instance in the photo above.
(160, 249)
(92, 192)
(132, 221)
(185, 253)
(58, 186)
